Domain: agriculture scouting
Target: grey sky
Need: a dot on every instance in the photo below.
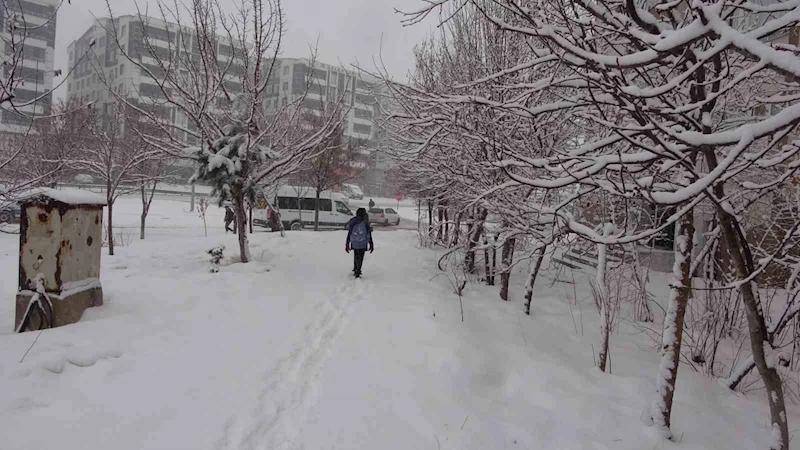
(347, 30)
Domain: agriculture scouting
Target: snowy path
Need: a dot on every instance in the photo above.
(289, 387)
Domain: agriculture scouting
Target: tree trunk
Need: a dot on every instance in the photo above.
(474, 236)
(419, 217)
(446, 225)
(505, 274)
(604, 300)
(494, 259)
(316, 213)
(532, 280)
(673, 325)
(440, 213)
(145, 210)
(110, 226)
(486, 260)
(430, 220)
(250, 219)
(191, 200)
(240, 219)
(741, 257)
(759, 338)
(456, 231)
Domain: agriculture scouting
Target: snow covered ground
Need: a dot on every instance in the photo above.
(288, 352)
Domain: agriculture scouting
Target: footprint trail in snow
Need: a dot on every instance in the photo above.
(289, 390)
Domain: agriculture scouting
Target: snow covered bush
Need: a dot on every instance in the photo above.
(216, 257)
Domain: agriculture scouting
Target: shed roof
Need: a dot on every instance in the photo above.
(68, 196)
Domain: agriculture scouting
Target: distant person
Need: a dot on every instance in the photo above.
(229, 220)
(371, 204)
(359, 237)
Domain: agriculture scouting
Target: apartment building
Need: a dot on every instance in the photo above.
(36, 53)
(364, 100)
(105, 67)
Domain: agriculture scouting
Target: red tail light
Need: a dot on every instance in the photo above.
(382, 216)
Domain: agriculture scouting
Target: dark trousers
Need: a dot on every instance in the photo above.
(358, 259)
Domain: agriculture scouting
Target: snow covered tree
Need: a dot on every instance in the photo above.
(114, 155)
(333, 163)
(216, 75)
(664, 102)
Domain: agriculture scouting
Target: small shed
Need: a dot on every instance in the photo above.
(59, 257)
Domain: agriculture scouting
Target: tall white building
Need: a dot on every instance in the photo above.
(36, 54)
(363, 100)
(107, 68)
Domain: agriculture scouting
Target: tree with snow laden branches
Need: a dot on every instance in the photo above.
(217, 75)
(664, 104)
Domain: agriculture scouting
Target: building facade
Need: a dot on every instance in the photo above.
(364, 102)
(33, 46)
(105, 67)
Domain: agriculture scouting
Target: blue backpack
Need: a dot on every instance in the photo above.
(359, 237)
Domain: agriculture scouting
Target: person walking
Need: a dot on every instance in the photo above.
(229, 220)
(359, 237)
(371, 204)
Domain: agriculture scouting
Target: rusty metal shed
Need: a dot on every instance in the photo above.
(59, 257)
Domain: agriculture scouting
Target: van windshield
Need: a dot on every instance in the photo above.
(342, 208)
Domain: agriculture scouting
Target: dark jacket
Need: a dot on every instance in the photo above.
(356, 220)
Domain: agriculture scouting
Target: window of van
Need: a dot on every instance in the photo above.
(308, 204)
(342, 208)
(287, 202)
(375, 211)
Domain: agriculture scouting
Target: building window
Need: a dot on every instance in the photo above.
(286, 70)
(312, 104)
(320, 73)
(122, 33)
(121, 69)
(361, 128)
(363, 113)
(285, 85)
(365, 99)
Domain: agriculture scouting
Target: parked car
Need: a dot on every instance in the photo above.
(384, 216)
(352, 191)
(10, 214)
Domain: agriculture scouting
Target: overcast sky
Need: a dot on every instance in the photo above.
(348, 31)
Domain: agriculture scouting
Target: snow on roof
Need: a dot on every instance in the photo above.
(69, 196)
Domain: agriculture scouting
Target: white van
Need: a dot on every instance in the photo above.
(333, 212)
(352, 191)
